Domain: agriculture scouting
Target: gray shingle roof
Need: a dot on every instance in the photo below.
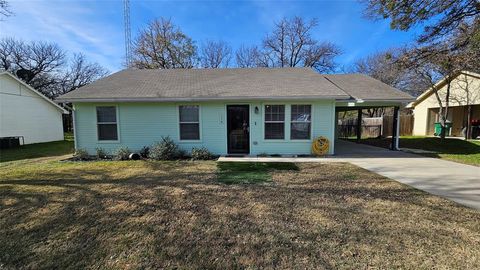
(225, 84)
(364, 87)
(209, 84)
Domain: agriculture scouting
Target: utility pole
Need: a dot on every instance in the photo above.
(128, 41)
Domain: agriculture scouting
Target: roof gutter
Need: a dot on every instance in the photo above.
(196, 99)
(403, 100)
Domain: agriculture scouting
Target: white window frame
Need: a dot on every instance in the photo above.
(302, 122)
(104, 123)
(190, 122)
(265, 122)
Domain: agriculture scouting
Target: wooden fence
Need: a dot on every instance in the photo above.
(375, 127)
(406, 125)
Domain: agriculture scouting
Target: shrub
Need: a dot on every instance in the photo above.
(81, 154)
(182, 153)
(166, 149)
(144, 152)
(122, 153)
(101, 153)
(201, 154)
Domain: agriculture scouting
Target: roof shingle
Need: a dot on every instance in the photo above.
(364, 87)
(208, 83)
(231, 83)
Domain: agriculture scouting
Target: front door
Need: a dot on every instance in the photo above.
(238, 130)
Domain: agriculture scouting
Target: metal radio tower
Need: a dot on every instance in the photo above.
(128, 41)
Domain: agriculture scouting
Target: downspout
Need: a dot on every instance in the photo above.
(334, 133)
(74, 128)
(394, 143)
(397, 139)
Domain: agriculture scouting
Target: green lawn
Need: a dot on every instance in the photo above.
(250, 172)
(58, 148)
(462, 151)
(181, 215)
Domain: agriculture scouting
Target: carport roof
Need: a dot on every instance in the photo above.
(363, 87)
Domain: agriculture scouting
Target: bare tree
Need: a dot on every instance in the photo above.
(45, 66)
(321, 56)
(432, 66)
(290, 44)
(4, 9)
(10, 52)
(465, 42)
(440, 17)
(78, 74)
(248, 57)
(37, 57)
(163, 45)
(381, 66)
(445, 59)
(386, 67)
(215, 54)
(276, 43)
(37, 63)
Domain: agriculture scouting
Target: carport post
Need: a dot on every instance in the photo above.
(395, 128)
(359, 125)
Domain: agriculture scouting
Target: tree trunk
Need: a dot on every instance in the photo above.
(445, 113)
(468, 132)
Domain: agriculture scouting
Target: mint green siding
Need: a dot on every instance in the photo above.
(141, 124)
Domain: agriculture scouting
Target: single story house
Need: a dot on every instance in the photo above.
(229, 111)
(27, 114)
(464, 93)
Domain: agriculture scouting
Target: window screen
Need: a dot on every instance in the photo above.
(107, 123)
(189, 122)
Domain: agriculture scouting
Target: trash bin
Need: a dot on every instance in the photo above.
(438, 128)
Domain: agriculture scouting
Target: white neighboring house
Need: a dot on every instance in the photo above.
(26, 112)
(464, 93)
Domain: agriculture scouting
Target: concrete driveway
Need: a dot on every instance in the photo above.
(455, 181)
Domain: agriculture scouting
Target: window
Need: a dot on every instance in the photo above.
(189, 122)
(107, 123)
(274, 122)
(300, 124)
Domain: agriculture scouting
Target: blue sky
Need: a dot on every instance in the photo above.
(95, 28)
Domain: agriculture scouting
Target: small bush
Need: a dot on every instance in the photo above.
(182, 153)
(201, 154)
(81, 154)
(166, 149)
(144, 152)
(122, 153)
(101, 153)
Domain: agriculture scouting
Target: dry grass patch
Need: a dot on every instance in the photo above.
(138, 214)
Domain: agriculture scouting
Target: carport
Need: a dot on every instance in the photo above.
(368, 93)
(358, 127)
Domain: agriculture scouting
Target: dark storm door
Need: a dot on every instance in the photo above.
(238, 130)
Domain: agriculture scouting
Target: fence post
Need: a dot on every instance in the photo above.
(359, 125)
(395, 129)
(381, 127)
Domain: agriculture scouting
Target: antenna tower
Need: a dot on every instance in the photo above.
(128, 39)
